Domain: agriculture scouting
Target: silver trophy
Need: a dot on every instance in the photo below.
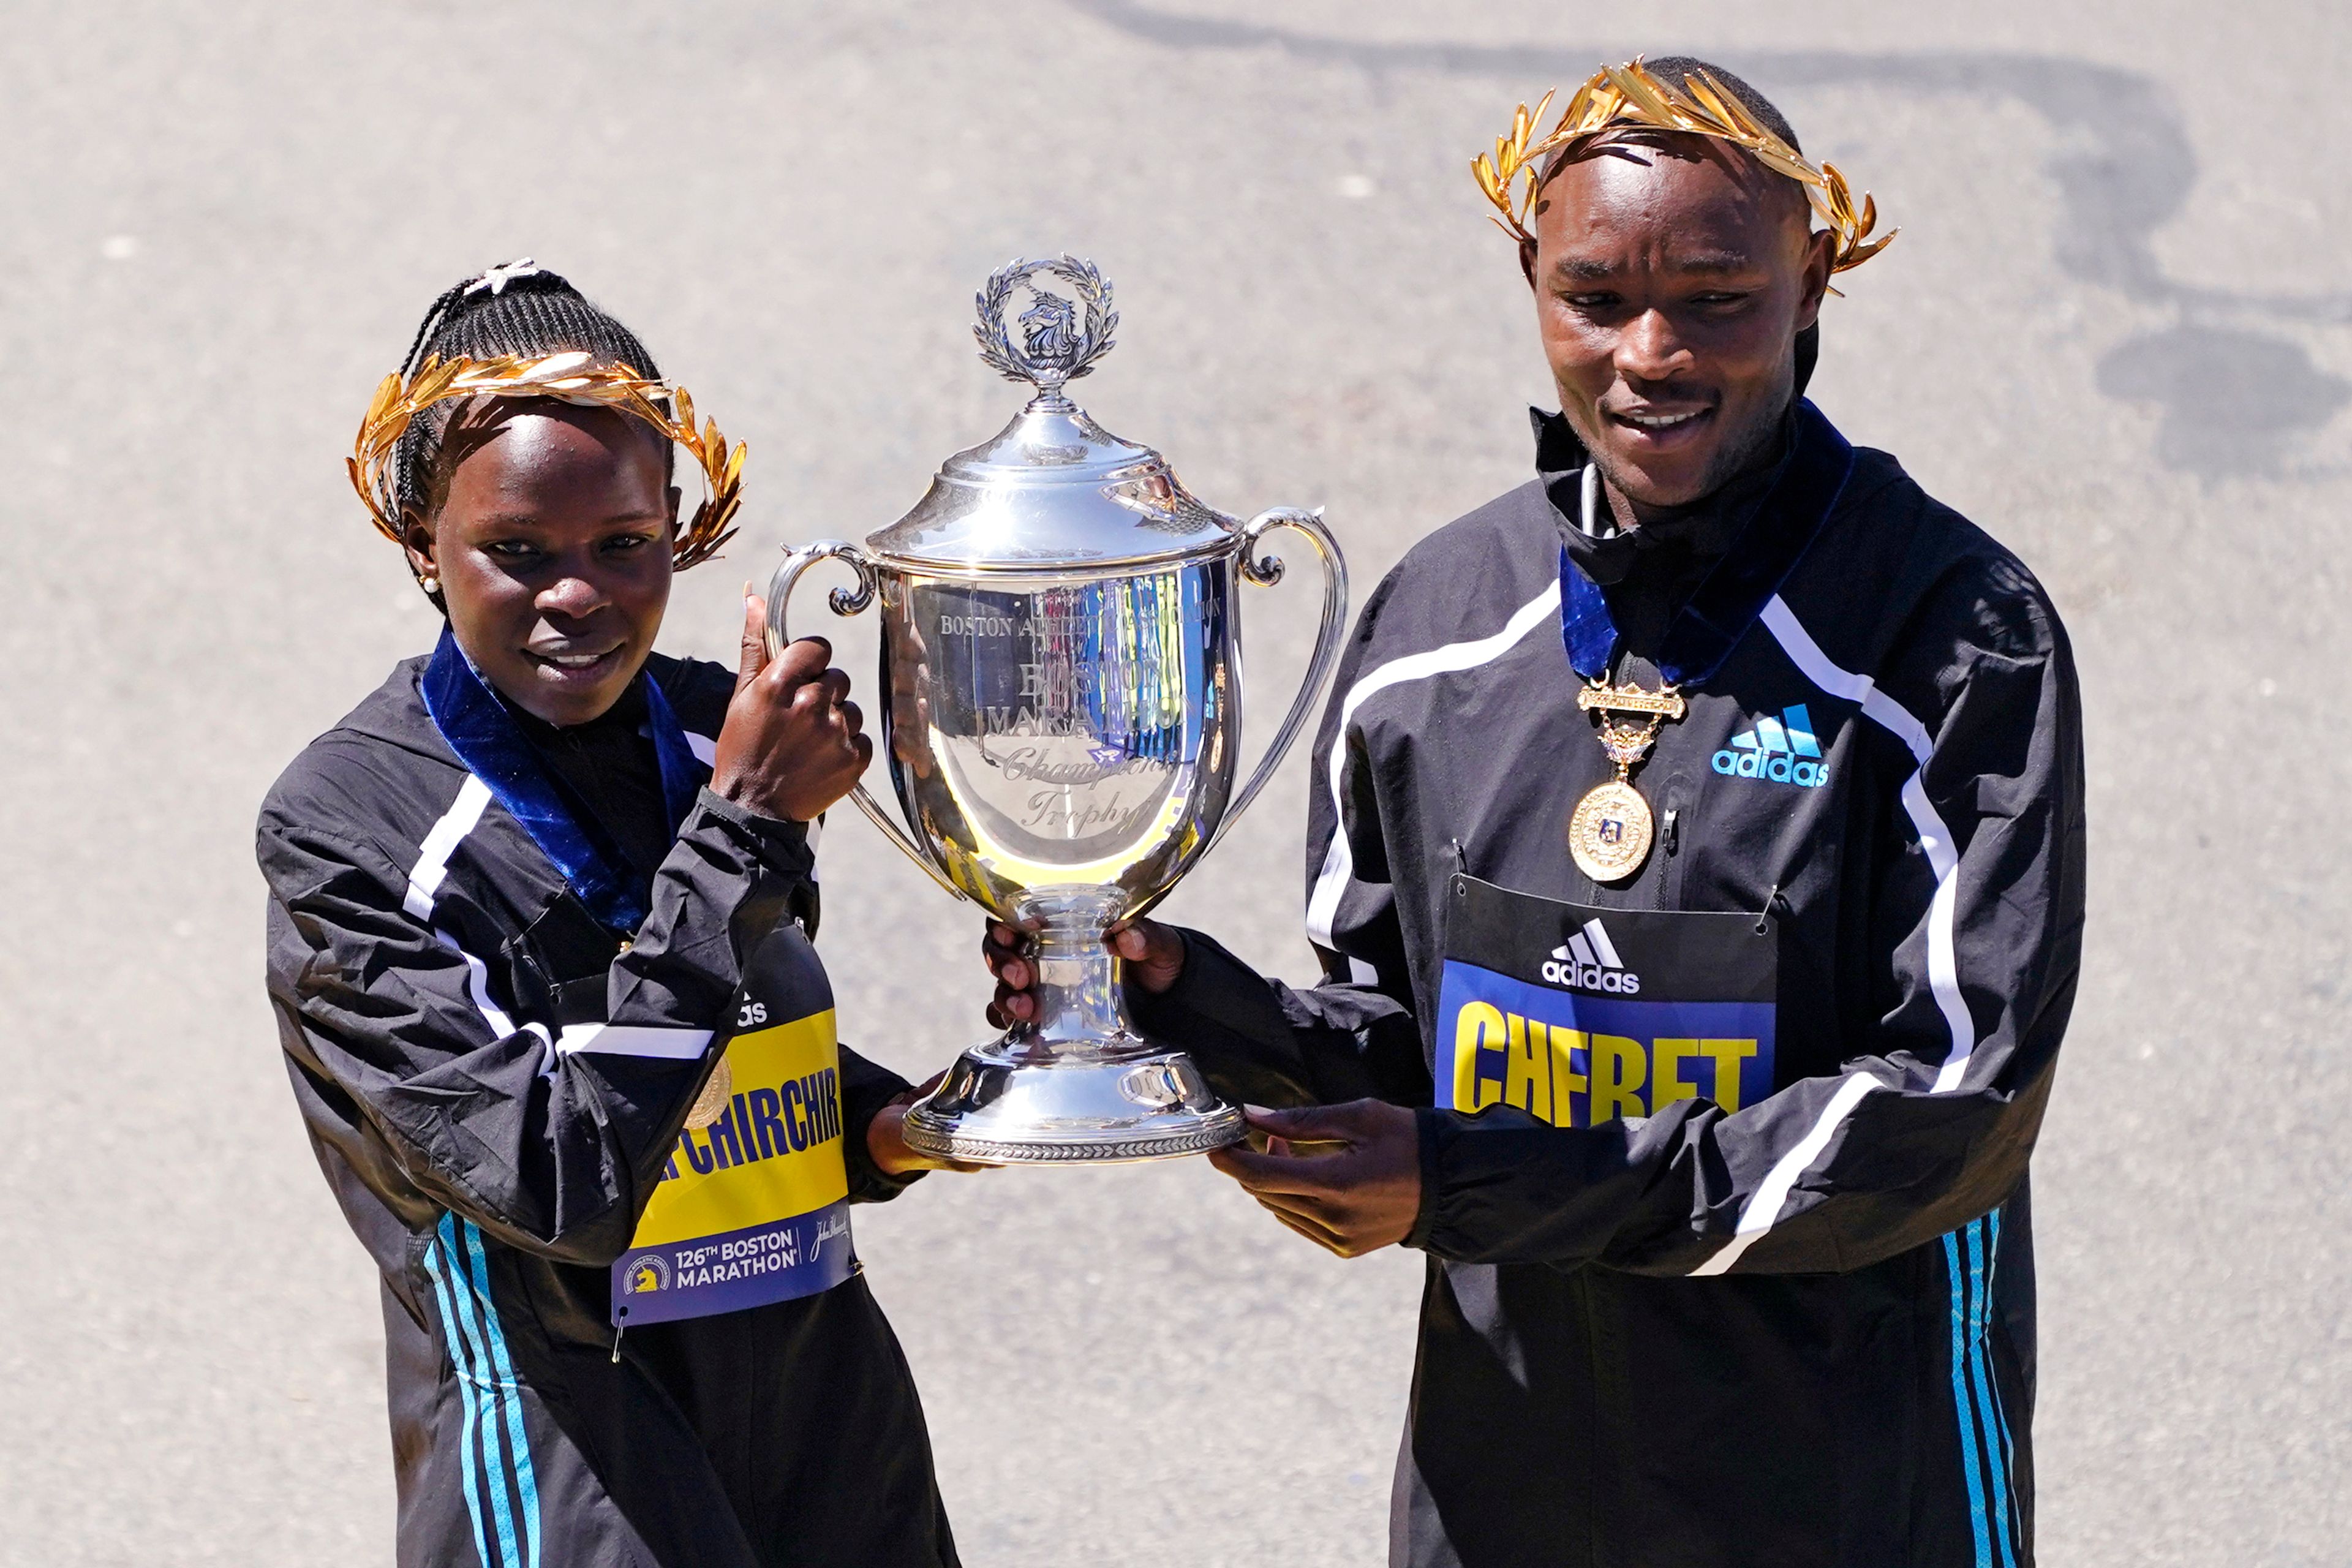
(1062, 657)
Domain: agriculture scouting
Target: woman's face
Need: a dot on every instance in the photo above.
(552, 543)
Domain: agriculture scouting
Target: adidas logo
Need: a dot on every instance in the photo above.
(1782, 750)
(1589, 962)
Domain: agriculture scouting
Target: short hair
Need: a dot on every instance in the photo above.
(1676, 71)
(518, 308)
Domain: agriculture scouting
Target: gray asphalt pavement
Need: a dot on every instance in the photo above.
(2116, 331)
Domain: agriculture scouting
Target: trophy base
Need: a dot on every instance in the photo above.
(1012, 1102)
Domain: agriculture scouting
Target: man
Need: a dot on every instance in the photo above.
(1697, 860)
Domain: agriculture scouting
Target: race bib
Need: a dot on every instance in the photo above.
(753, 1207)
(1582, 1015)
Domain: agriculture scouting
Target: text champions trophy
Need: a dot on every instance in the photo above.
(1062, 654)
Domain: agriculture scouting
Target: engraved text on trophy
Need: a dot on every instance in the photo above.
(1069, 721)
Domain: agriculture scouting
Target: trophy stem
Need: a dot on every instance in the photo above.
(1081, 1002)
(1078, 1081)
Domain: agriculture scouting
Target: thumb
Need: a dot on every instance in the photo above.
(1311, 1123)
(1157, 948)
(915, 1091)
(754, 656)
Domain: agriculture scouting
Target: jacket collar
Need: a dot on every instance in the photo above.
(394, 712)
(1769, 540)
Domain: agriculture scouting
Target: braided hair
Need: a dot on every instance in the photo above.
(519, 308)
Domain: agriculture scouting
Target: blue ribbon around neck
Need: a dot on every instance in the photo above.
(1734, 592)
(478, 727)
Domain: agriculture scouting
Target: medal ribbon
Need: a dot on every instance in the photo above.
(1731, 595)
(479, 729)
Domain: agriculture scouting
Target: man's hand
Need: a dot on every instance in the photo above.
(886, 1136)
(791, 745)
(1153, 954)
(1360, 1196)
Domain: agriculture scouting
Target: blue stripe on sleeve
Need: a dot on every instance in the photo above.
(2002, 1455)
(509, 1395)
(1962, 1408)
(450, 1333)
(471, 1372)
(1977, 1314)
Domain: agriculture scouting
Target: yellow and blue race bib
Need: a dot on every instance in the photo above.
(753, 1207)
(1582, 1015)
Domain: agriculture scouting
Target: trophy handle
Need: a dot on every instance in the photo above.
(1267, 571)
(843, 601)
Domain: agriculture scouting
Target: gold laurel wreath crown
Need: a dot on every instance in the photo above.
(1632, 95)
(570, 378)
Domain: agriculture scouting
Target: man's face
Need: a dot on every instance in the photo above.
(1672, 276)
(553, 542)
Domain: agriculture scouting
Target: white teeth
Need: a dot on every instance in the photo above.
(573, 661)
(1660, 421)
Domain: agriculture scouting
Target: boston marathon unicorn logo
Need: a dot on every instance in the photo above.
(645, 1275)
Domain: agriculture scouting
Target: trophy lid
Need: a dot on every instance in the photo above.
(1052, 489)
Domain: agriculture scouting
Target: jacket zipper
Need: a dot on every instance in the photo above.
(1669, 842)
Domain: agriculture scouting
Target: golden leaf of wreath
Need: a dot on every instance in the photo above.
(1632, 95)
(571, 378)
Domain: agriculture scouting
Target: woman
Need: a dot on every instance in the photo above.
(539, 948)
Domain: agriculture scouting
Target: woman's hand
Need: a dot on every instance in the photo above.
(1153, 955)
(791, 745)
(885, 1137)
(910, 703)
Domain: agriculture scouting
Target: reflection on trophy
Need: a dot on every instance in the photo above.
(1061, 657)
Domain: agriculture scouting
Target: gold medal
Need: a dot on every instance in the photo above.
(720, 1088)
(1609, 833)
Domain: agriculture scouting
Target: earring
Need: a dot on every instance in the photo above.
(430, 584)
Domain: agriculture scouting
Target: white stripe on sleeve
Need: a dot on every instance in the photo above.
(440, 843)
(633, 1040)
(1339, 862)
(1772, 1195)
(424, 882)
(478, 985)
(609, 1039)
(1764, 1205)
(1935, 838)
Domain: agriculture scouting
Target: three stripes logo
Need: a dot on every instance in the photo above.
(1781, 750)
(1587, 961)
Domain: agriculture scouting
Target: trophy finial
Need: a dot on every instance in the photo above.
(1054, 349)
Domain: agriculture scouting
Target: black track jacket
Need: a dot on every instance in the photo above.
(493, 1082)
(1802, 1334)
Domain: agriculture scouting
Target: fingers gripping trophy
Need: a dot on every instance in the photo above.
(1062, 649)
